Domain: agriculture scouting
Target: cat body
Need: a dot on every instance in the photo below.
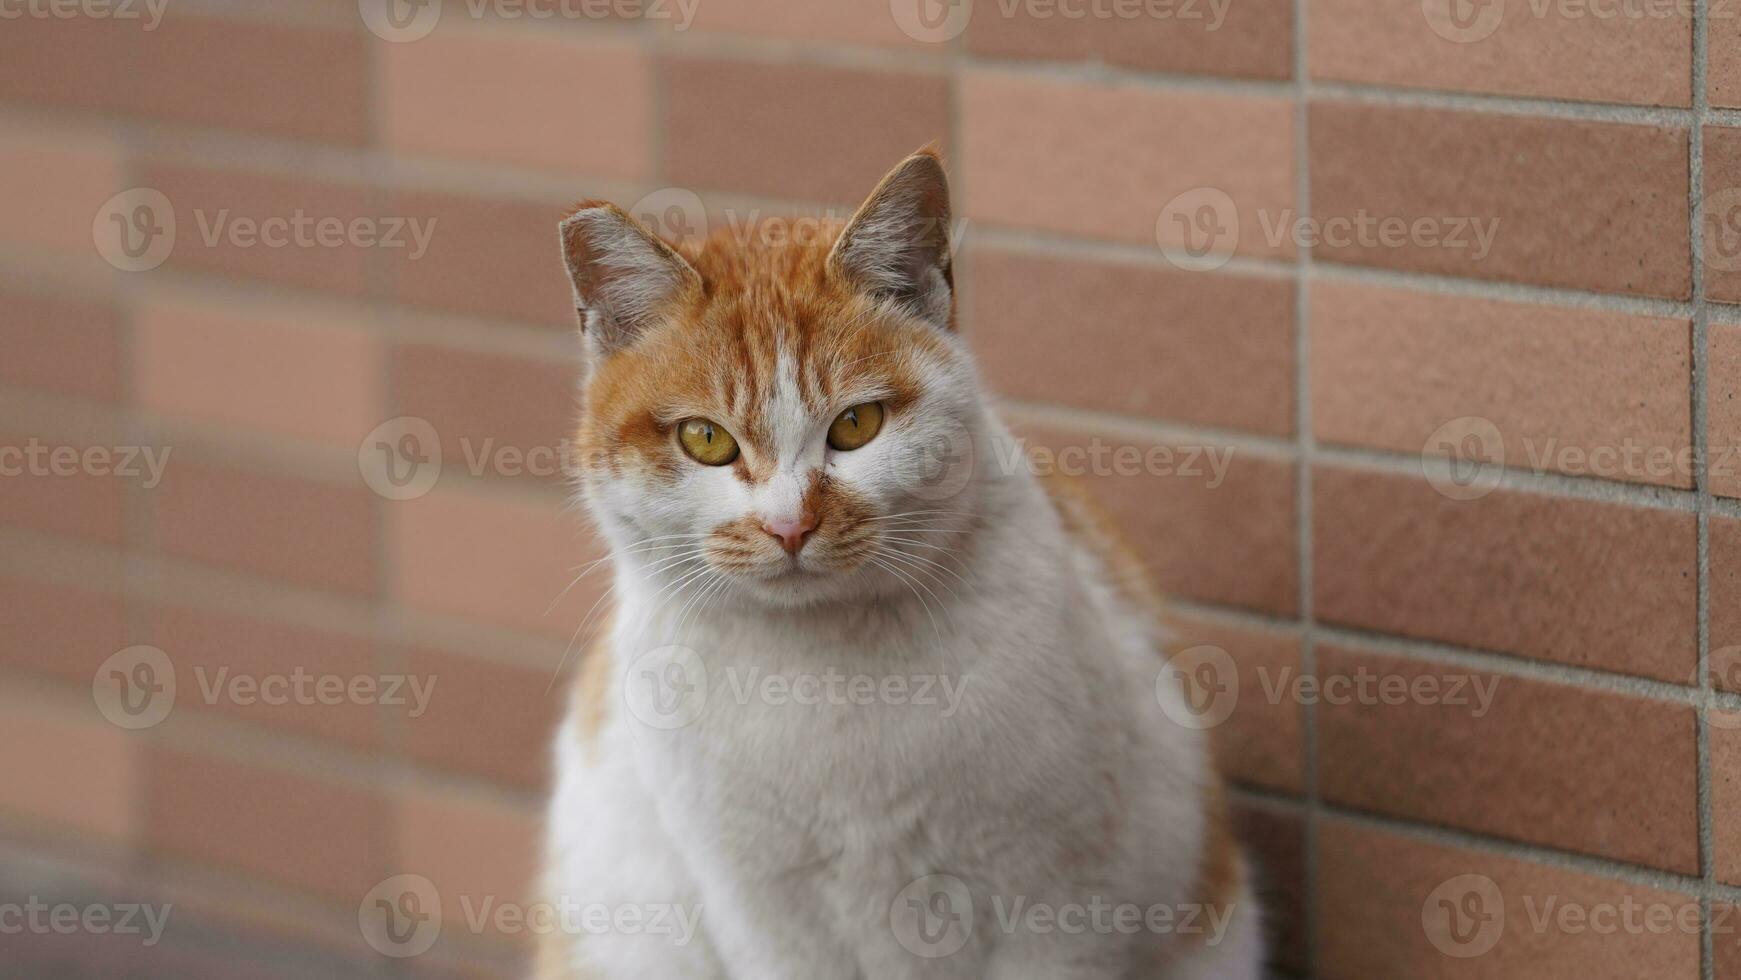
(878, 709)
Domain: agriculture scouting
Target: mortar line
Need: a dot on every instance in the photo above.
(1443, 653)
(1702, 485)
(138, 514)
(842, 55)
(955, 166)
(1503, 105)
(1606, 869)
(384, 654)
(1067, 245)
(1397, 462)
(1306, 456)
(1603, 868)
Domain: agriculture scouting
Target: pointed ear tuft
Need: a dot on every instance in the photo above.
(897, 246)
(622, 274)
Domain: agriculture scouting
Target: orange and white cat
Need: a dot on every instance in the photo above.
(871, 703)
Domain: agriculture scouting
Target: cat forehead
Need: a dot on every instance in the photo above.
(751, 355)
(767, 359)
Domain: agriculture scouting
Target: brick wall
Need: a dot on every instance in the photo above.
(1250, 228)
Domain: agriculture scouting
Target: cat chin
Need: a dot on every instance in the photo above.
(810, 589)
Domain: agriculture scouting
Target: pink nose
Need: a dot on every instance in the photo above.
(791, 533)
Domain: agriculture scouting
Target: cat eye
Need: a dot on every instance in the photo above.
(856, 426)
(707, 442)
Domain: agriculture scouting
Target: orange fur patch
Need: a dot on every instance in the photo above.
(1092, 527)
(555, 956)
(1220, 873)
(591, 696)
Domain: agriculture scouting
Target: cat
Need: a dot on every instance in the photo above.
(869, 704)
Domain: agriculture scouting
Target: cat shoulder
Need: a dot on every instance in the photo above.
(1092, 529)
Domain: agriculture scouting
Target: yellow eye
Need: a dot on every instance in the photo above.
(707, 442)
(856, 426)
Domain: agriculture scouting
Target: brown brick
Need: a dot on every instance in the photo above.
(1725, 730)
(1722, 255)
(1104, 162)
(494, 558)
(1374, 886)
(1587, 205)
(1227, 538)
(78, 62)
(511, 416)
(66, 346)
(1723, 399)
(839, 21)
(56, 181)
(1579, 770)
(1276, 848)
(1642, 60)
(45, 485)
(1725, 625)
(487, 96)
(731, 127)
(1575, 581)
(59, 629)
(1259, 744)
(1250, 40)
(209, 204)
(487, 257)
(315, 834)
(213, 651)
(70, 772)
(1726, 940)
(476, 853)
(488, 719)
(287, 80)
(1144, 340)
(304, 531)
(1723, 76)
(1587, 392)
(253, 367)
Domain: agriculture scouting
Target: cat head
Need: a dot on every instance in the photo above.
(790, 419)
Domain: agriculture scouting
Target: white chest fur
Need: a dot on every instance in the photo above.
(798, 771)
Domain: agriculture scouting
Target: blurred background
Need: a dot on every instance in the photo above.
(1397, 334)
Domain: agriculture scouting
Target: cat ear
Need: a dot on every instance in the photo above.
(898, 244)
(622, 273)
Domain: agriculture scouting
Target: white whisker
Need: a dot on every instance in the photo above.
(909, 582)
